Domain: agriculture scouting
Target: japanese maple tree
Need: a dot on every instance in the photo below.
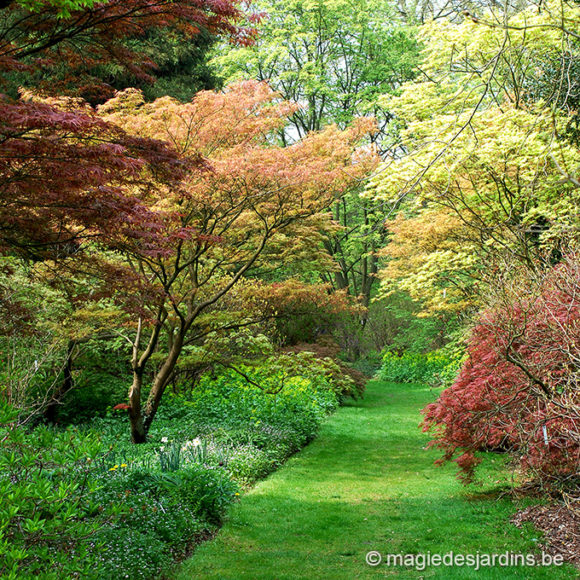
(65, 173)
(219, 222)
(518, 391)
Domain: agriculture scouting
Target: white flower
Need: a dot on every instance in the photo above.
(164, 440)
(194, 443)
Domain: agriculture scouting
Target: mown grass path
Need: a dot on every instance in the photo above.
(366, 483)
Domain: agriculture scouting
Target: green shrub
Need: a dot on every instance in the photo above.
(207, 491)
(101, 376)
(94, 392)
(48, 500)
(438, 367)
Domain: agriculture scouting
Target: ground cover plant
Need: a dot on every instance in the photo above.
(86, 502)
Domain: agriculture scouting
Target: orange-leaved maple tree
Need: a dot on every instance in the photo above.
(218, 222)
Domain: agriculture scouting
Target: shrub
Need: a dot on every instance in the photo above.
(49, 501)
(518, 391)
(323, 357)
(432, 367)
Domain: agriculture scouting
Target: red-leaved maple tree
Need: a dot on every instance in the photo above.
(65, 173)
(519, 390)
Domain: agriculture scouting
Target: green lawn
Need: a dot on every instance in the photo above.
(367, 483)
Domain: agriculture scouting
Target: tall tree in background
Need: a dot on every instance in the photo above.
(334, 58)
(182, 66)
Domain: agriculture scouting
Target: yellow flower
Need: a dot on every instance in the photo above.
(113, 468)
(237, 493)
(123, 465)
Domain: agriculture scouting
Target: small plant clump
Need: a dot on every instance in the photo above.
(438, 367)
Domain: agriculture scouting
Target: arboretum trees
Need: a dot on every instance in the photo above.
(486, 197)
(196, 234)
(151, 213)
(222, 194)
(64, 172)
(73, 39)
(66, 176)
(494, 159)
(220, 219)
(335, 59)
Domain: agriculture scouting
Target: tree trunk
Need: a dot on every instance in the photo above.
(141, 418)
(66, 385)
(138, 431)
(162, 379)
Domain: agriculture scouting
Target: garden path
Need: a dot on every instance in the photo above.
(366, 483)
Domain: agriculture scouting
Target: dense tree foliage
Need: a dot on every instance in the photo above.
(71, 40)
(493, 166)
(221, 218)
(335, 58)
(518, 390)
(64, 172)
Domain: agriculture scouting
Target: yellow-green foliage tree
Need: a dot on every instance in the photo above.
(488, 159)
(427, 259)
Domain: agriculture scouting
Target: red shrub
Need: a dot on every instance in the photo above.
(518, 391)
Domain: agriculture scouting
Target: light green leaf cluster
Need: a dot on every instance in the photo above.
(483, 146)
(427, 282)
(64, 7)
